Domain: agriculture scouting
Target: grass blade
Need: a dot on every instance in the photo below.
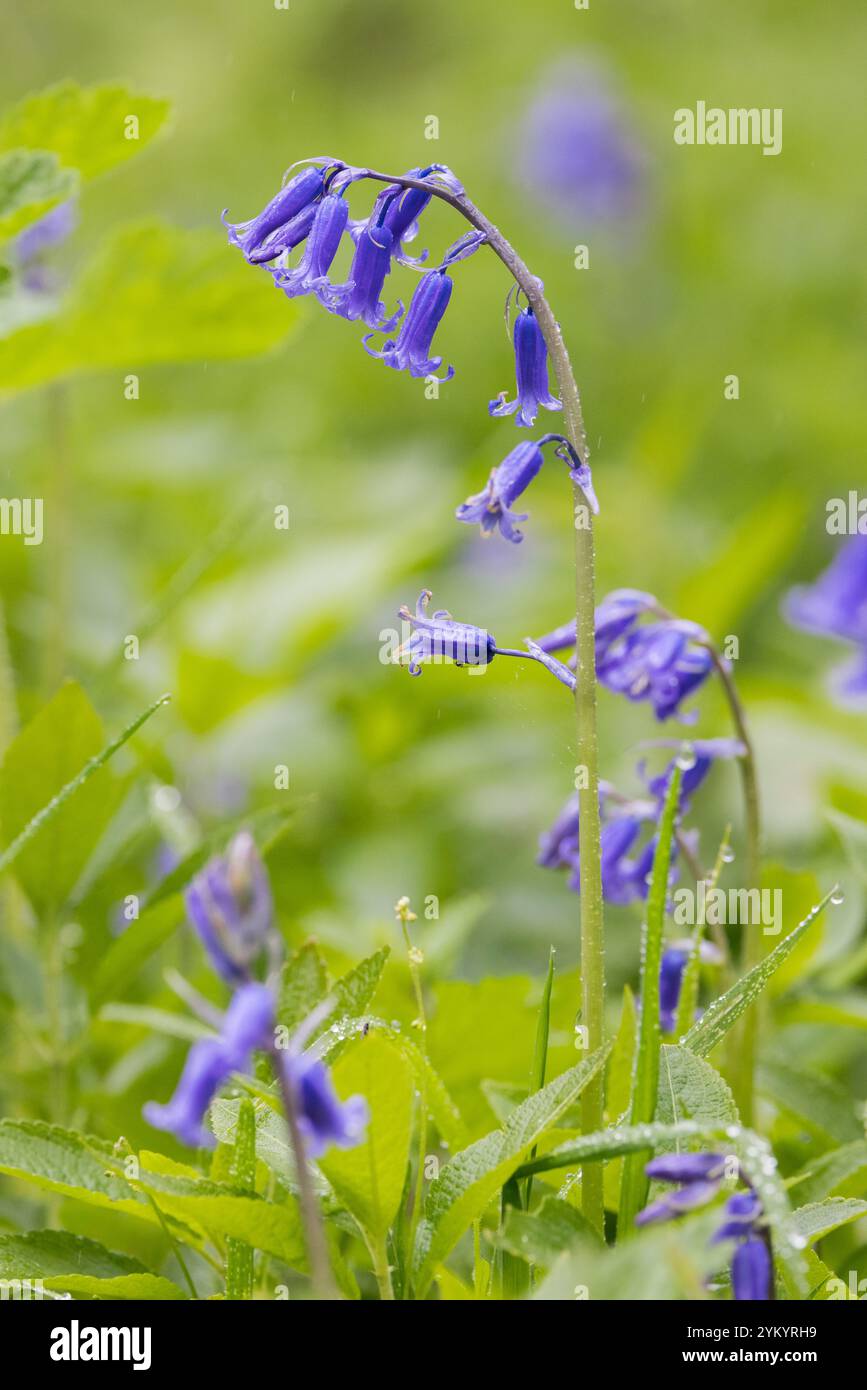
(645, 1078)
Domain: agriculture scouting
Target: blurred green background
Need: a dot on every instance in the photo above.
(159, 512)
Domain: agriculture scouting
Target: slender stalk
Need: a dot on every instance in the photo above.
(311, 1217)
(743, 1041)
(592, 926)
(382, 1270)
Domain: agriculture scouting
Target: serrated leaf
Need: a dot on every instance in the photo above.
(823, 1107)
(153, 294)
(817, 1219)
(468, 1183)
(32, 182)
(84, 127)
(221, 1211)
(59, 1160)
(44, 1254)
(303, 984)
(691, 1089)
(369, 1178)
(722, 1014)
(352, 994)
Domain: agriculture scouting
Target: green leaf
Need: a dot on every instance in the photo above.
(220, 1211)
(56, 796)
(622, 1058)
(843, 1169)
(86, 128)
(59, 1160)
(722, 1014)
(239, 1255)
(31, 183)
(65, 1263)
(823, 1107)
(645, 1077)
(369, 1178)
(352, 994)
(469, 1182)
(691, 1089)
(817, 1219)
(303, 984)
(541, 1236)
(154, 294)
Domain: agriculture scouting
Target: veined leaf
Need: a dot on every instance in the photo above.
(817, 1219)
(86, 128)
(369, 1178)
(153, 294)
(721, 1015)
(691, 1089)
(469, 1182)
(303, 984)
(31, 183)
(645, 1076)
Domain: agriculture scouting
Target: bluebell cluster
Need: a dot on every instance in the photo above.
(230, 906)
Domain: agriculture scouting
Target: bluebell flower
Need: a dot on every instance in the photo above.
(229, 904)
(359, 296)
(752, 1271)
(411, 350)
(663, 661)
(671, 973)
(260, 239)
(670, 980)
(531, 371)
(491, 509)
(438, 637)
(248, 1026)
(700, 1176)
(836, 606)
(324, 1120)
(311, 273)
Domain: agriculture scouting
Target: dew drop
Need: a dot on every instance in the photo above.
(837, 897)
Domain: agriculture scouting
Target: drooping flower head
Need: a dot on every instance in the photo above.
(411, 350)
(491, 509)
(311, 273)
(229, 904)
(324, 1119)
(531, 372)
(359, 296)
(248, 1026)
(836, 606)
(275, 229)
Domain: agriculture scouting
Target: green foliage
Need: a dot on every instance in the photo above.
(85, 128)
(31, 183)
(154, 294)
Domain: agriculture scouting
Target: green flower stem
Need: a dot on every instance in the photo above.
(592, 927)
(743, 1042)
(311, 1216)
